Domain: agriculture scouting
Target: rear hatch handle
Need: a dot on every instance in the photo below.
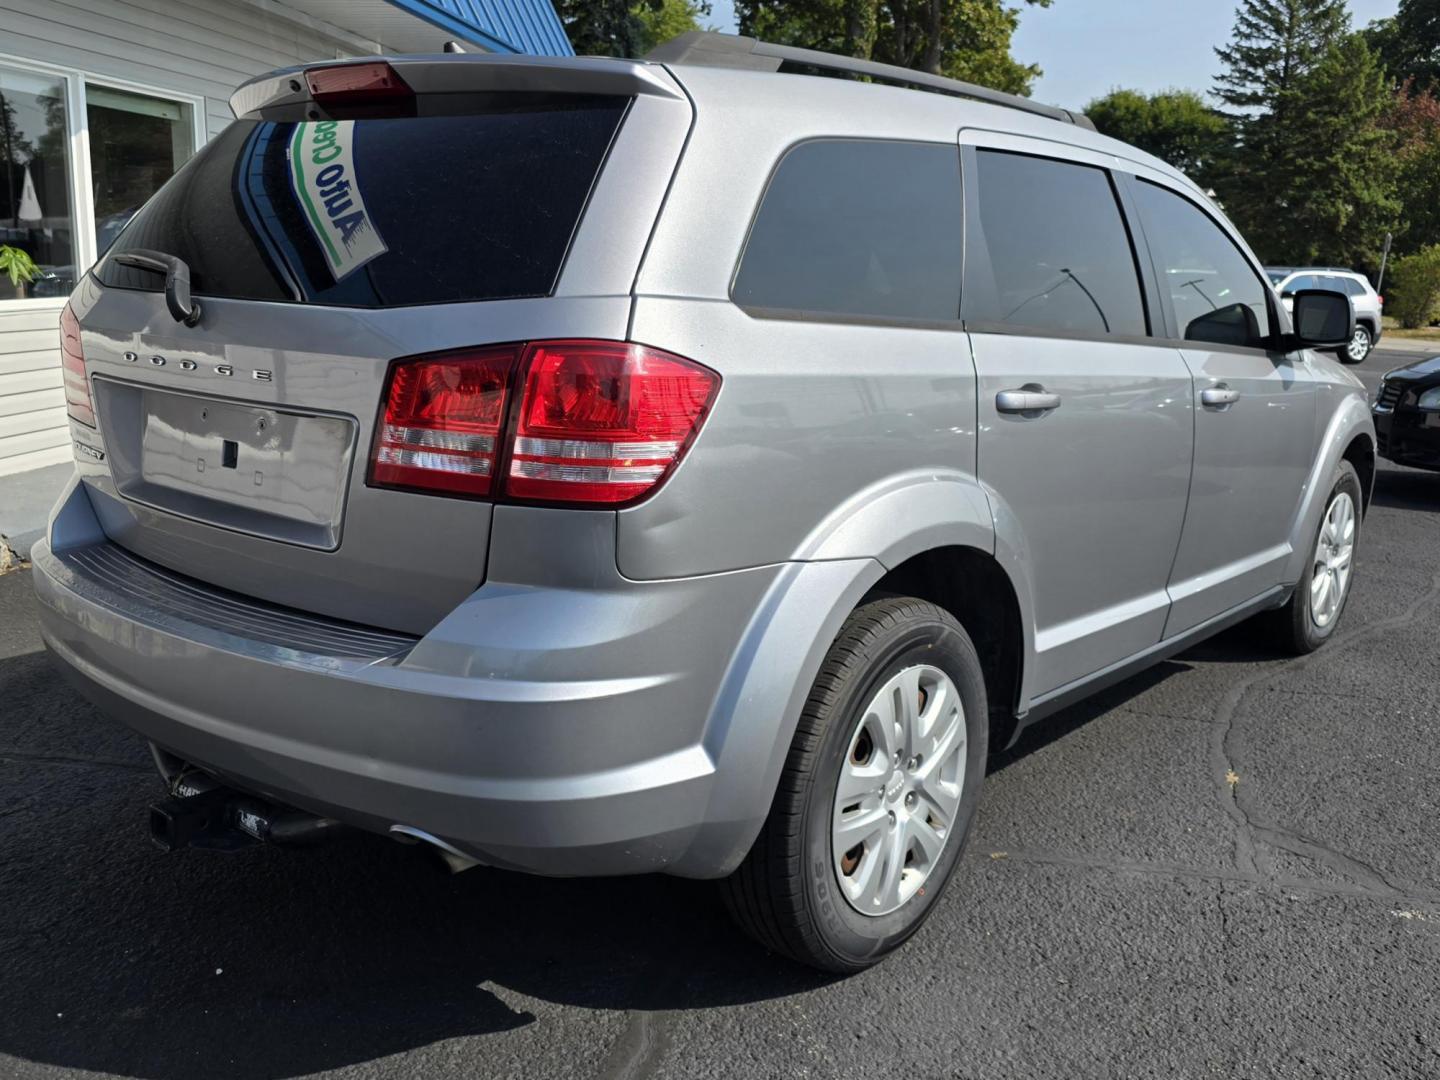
(177, 280)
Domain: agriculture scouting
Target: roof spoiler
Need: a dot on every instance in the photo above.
(444, 73)
(710, 49)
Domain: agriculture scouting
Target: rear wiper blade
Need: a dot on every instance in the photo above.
(177, 280)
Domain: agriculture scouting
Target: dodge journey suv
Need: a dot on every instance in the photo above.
(690, 465)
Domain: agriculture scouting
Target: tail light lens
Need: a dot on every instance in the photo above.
(599, 423)
(603, 422)
(356, 83)
(441, 427)
(72, 363)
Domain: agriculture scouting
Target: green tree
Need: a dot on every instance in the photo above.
(964, 39)
(668, 19)
(1174, 125)
(627, 27)
(1310, 175)
(1273, 44)
(1330, 192)
(1409, 43)
(1414, 290)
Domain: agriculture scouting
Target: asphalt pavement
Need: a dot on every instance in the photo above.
(1228, 866)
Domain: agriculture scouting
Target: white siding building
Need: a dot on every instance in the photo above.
(102, 100)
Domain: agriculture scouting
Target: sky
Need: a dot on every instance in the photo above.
(1089, 47)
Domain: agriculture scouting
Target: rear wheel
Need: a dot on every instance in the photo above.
(878, 793)
(1360, 345)
(1314, 609)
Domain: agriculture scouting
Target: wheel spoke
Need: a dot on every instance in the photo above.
(857, 781)
(890, 878)
(907, 709)
(860, 826)
(930, 842)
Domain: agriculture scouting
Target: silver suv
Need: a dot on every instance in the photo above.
(1288, 280)
(592, 466)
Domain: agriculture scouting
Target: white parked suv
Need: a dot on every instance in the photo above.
(1289, 280)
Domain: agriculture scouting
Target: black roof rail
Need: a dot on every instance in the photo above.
(711, 49)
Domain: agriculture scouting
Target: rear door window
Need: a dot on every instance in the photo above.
(858, 228)
(1216, 296)
(1059, 256)
(469, 205)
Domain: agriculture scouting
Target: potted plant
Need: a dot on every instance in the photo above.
(19, 267)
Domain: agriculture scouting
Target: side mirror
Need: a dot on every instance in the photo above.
(1323, 319)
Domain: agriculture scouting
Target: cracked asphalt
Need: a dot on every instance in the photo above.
(1228, 866)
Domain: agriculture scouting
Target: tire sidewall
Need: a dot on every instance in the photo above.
(851, 936)
(1347, 480)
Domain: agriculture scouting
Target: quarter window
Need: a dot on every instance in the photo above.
(1216, 295)
(858, 228)
(1058, 255)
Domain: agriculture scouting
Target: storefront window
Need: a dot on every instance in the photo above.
(137, 142)
(35, 212)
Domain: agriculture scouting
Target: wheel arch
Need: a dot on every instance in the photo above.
(1360, 452)
(973, 587)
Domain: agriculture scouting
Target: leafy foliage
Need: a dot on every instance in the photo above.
(1409, 43)
(17, 265)
(964, 39)
(1174, 125)
(1414, 291)
(627, 27)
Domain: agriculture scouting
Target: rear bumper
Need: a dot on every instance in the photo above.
(559, 731)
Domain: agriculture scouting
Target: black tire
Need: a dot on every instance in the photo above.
(785, 894)
(1294, 624)
(1344, 352)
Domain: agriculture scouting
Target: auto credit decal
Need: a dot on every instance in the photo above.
(322, 172)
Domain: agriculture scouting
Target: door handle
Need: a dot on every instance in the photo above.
(1030, 398)
(1217, 397)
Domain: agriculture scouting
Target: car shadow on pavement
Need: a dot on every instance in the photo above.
(1407, 489)
(120, 959)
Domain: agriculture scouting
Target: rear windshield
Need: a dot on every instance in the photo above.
(380, 212)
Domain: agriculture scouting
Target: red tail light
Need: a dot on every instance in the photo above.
(602, 421)
(72, 363)
(599, 423)
(356, 83)
(442, 421)
(1382, 300)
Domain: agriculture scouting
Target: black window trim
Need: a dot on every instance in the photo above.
(842, 317)
(553, 290)
(976, 255)
(1278, 324)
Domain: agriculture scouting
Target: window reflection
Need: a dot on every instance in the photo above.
(137, 142)
(35, 211)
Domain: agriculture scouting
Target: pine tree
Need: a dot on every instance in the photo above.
(1274, 43)
(1334, 163)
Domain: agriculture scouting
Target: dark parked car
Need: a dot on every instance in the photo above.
(1407, 415)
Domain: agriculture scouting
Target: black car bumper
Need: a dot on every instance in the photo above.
(1408, 436)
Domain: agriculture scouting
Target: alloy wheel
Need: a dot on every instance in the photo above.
(1334, 555)
(899, 790)
(1359, 346)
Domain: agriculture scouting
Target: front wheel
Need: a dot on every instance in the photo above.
(1314, 609)
(878, 792)
(1359, 347)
